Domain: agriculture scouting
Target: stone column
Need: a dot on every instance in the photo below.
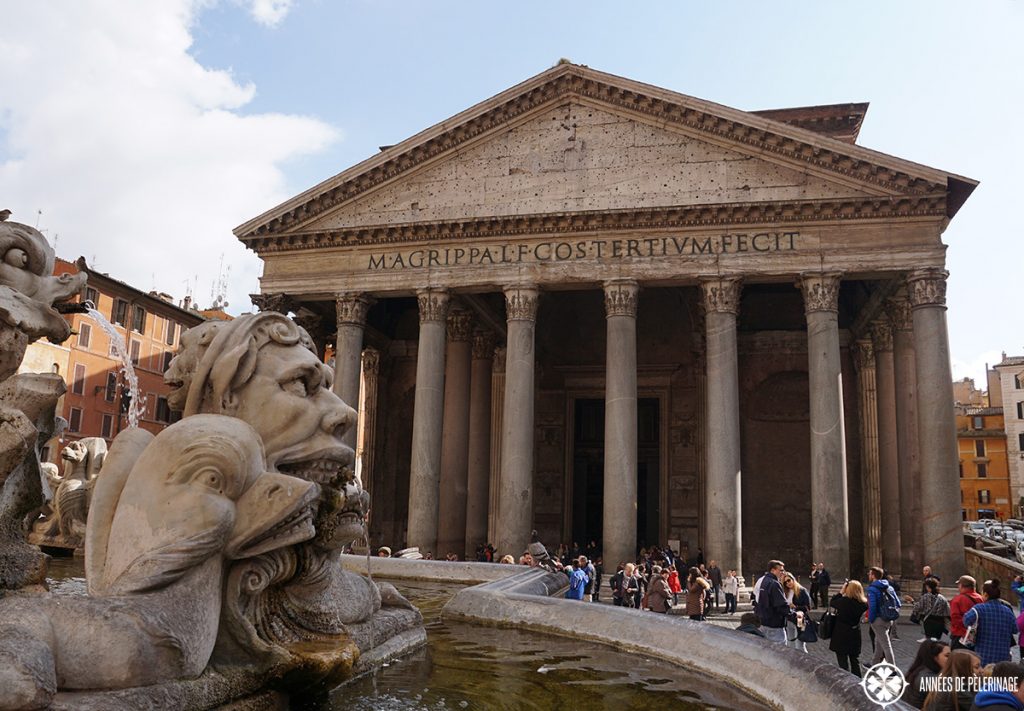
(888, 447)
(722, 493)
(620, 455)
(871, 504)
(905, 370)
(940, 487)
(367, 440)
(497, 412)
(515, 499)
(479, 466)
(428, 413)
(451, 511)
(830, 518)
(351, 312)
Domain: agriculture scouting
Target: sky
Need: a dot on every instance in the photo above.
(139, 133)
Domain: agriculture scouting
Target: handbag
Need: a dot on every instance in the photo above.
(827, 624)
(810, 631)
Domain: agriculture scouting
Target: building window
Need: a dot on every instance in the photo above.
(168, 357)
(84, 335)
(119, 313)
(134, 350)
(984, 496)
(978, 423)
(982, 470)
(1020, 410)
(107, 427)
(111, 390)
(1020, 441)
(163, 412)
(75, 420)
(979, 447)
(78, 384)
(961, 470)
(93, 296)
(172, 329)
(139, 319)
(1018, 381)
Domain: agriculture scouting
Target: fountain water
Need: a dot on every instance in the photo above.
(135, 407)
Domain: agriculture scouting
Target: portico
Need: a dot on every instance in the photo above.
(676, 291)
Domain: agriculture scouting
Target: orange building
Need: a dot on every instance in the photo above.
(96, 402)
(984, 470)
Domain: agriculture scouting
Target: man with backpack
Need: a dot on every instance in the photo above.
(883, 611)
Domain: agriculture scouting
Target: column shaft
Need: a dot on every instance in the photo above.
(940, 487)
(367, 441)
(620, 434)
(478, 482)
(830, 529)
(351, 312)
(888, 446)
(515, 501)
(451, 511)
(723, 540)
(497, 413)
(905, 370)
(871, 511)
(428, 413)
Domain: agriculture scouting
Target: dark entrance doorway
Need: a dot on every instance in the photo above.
(588, 471)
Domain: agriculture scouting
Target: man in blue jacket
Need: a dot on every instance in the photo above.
(878, 587)
(771, 604)
(577, 582)
(1011, 675)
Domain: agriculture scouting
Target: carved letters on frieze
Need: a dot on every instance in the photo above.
(722, 294)
(820, 290)
(927, 287)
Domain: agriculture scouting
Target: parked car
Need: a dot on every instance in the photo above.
(976, 527)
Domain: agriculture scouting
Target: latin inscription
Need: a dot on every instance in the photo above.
(592, 249)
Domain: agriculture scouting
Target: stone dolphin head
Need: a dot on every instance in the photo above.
(198, 490)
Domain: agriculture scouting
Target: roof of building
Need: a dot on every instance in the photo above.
(97, 279)
(1010, 360)
(839, 121)
(981, 411)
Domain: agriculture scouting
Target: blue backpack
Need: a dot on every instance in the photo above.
(889, 605)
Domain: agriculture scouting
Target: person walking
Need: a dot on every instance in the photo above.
(577, 581)
(673, 583)
(878, 590)
(958, 607)
(996, 625)
(814, 585)
(731, 587)
(931, 611)
(714, 577)
(824, 582)
(587, 567)
(799, 610)
(616, 585)
(850, 605)
(696, 589)
(771, 606)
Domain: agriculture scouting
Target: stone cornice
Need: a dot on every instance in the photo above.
(680, 217)
(820, 290)
(352, 308)
(927, 287)
(620, 297)
(721, 294)
(433, 304)
(718, 123)
(521, 303)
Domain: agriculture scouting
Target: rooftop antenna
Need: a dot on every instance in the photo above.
(39, 215)
(219, 290)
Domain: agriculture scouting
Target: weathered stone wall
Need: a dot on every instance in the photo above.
(984, 566)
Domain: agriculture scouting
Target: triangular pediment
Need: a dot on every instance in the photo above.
(572, 142)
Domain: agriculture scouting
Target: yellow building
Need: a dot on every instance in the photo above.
(984, 470)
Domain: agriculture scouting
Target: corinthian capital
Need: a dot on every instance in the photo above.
(352, 308)
(863, 355)
(433, 304)
(460, 325)
(927, 287)
(881, 335)
(281, 303)
(521, 303)
(898, 310)
(371, 361)
(620, 297)
(721, 294)
(820, 290)
(483, 344)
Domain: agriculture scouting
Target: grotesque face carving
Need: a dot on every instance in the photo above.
(260, 369)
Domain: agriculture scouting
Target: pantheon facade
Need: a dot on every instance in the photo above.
(608, 311)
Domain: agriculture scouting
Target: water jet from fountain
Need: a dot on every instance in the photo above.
(121, 351)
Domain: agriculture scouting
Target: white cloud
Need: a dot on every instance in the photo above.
(134, 152)
(269, 12)
(974, 367)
